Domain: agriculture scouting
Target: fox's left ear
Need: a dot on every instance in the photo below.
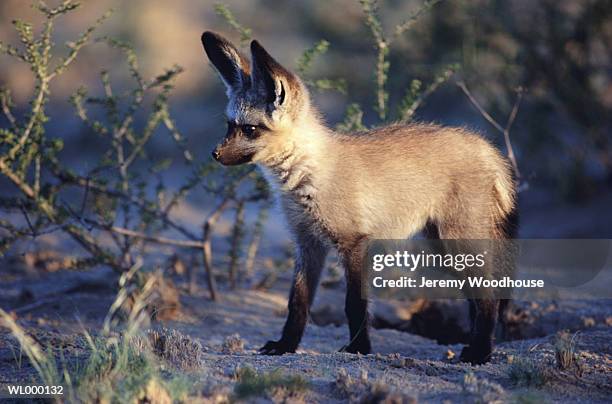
(271, 78)
(229, 62)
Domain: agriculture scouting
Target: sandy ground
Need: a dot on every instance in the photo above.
(55, 311)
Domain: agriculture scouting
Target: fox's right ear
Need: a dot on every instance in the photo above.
(233, 67)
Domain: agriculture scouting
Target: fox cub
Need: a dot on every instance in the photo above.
(341, 190)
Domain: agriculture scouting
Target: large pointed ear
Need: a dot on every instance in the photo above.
(230, 63)
(269, 76)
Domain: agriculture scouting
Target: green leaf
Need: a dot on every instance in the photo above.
(305, 61)
(224, 12)
(353, 120)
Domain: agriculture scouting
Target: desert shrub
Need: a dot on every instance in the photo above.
(252, 383)
(528, 372)
(122, 196)
(176, 348)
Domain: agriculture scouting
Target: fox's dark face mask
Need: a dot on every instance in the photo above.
(238, 145)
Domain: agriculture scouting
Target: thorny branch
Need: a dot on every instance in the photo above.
(6, 104)
(207, 248)
(504, 130)
(383, 46)
(406, 112)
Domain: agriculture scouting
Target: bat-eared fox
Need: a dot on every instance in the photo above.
(342, 190)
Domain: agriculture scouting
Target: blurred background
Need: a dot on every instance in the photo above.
(558, 51)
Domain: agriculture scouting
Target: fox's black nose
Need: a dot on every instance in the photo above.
(215, 154)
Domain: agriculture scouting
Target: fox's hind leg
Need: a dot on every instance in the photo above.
(309, 263)
(471, 225)
(356, 305)
(502, 319)
(483, 313)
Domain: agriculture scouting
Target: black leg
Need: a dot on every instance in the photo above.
(481, 340)
(356, 304)
(309, 263)
(502, 318)
(472, 305)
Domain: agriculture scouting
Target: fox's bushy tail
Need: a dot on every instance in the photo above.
(506, 204)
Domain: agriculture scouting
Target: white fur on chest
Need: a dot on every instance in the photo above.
(298, 196)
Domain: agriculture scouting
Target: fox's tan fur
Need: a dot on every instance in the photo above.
(389, 182)
(345, 189)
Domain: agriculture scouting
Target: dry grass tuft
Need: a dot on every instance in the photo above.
(154, 393)
(379, 393)
(527, 372)
(566, 355)
(165, 301)
(268, 384)
(119, 370)
(350, 387)
(43, 361)
(363, 390)
(176, 348)
(233, 344)
(344, 383)
(480, 390)
(162, 299)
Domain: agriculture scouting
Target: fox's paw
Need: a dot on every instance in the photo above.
(355, 347)
(276, 348)
(475, 356)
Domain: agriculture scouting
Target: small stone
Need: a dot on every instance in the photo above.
(399, 363)
(589, 321)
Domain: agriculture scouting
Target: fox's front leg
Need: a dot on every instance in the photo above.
(309, 262)
(356, 305)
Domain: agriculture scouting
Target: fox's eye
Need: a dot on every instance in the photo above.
(249, 130)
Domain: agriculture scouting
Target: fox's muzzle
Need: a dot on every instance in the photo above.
(234, 150)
